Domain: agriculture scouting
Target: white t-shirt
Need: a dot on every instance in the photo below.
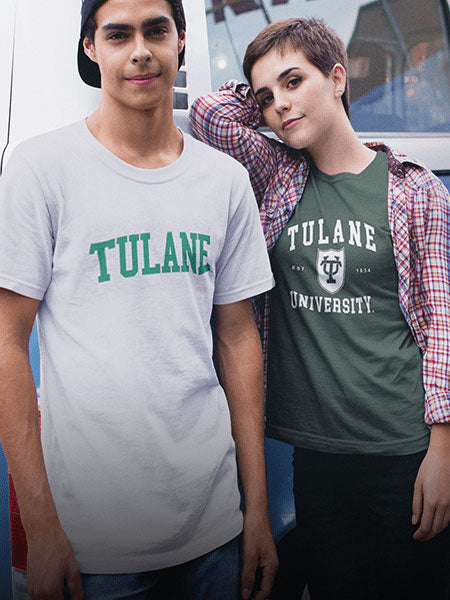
(127, 263)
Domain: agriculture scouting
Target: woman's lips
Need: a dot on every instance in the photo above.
(290, 123)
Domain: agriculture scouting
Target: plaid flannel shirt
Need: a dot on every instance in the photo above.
(419, 219)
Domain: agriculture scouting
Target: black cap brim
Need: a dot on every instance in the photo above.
(89, 71)
(87, 68)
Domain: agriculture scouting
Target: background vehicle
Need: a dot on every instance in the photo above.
(400, 79)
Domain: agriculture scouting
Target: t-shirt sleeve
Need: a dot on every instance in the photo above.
(243, 268)
(26, 238)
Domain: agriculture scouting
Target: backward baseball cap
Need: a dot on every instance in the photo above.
(87, 68)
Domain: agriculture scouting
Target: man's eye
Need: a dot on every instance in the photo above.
(158, 31)
(118, 35)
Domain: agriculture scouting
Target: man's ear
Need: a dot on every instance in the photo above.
(181, 41)
(89, 49)
(339, 77)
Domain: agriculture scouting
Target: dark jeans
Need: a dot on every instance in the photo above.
(353, 538)
(213, 576)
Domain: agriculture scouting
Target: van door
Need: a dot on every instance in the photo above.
(6, 67)
(47, 92)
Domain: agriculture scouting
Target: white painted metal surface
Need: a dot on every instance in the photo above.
(432, 150)
(6, 58)
(47, 90)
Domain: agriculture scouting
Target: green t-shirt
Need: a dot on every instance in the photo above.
(345, 374)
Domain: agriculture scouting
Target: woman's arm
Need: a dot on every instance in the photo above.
(228, 120)
(431, 503)
(434, 293)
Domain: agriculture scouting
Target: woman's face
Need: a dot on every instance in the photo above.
(298, 102)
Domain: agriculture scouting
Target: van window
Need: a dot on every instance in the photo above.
(398, 54)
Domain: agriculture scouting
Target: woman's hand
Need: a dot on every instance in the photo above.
(431, 502)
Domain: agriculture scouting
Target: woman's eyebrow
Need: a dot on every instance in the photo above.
(261, 90)
(286, 72)
(279, 78)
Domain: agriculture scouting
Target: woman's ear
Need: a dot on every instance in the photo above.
(339, 78)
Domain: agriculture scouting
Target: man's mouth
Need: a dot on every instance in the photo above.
(290, 123)
(143, 79)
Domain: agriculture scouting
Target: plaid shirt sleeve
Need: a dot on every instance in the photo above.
(228, 120)
(420, 227)
(432, 296)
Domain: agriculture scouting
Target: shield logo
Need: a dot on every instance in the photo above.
(331, 269)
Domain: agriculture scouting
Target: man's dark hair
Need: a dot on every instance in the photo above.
(90, 26)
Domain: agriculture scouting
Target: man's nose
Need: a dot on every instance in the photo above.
(141, 51)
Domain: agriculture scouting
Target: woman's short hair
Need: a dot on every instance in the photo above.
(321, 45)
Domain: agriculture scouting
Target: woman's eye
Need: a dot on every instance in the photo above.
(294, 81)
(265, 101)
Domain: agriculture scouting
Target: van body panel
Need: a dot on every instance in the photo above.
(6, 69)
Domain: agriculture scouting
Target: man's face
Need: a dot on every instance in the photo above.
(136, 46)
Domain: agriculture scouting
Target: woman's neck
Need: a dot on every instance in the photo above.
(340, 151)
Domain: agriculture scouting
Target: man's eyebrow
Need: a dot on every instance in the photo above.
(145, 24)
(279, 78)
(156, 21)
(117, 27)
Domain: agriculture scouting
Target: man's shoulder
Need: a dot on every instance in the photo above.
(222, 163)
(47, 149)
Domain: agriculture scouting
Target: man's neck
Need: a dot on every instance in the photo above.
(147, 139)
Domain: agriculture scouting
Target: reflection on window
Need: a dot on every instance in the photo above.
(398, 53)
(406, 86)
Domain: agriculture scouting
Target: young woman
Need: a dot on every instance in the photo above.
(359, 334)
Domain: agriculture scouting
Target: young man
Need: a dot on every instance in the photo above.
(121, 233)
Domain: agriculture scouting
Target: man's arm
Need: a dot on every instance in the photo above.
(50, 559)
(239, 360)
